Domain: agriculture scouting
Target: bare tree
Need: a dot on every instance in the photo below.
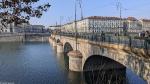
(20, 11)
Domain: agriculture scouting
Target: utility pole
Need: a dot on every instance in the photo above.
(80, 4)
(61, 18)
(93, 29)
(119, 7)
(76, 25)
(60, 26)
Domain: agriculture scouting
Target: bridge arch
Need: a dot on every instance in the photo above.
(99, 69)
(67, 47)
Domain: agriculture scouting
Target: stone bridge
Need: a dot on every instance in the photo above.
(133, 58)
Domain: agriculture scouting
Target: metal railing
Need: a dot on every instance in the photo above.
(125, 40)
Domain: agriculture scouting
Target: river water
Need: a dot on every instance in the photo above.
(37, 63)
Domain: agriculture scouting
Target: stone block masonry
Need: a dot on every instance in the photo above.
(23, 38)
(12, 38)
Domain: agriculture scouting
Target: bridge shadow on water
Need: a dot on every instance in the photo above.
(66, 59)
(67, 49)
(102, 70)
(72, 77)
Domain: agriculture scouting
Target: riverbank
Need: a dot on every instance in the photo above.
(24, 37)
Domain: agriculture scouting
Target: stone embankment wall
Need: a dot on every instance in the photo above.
(22, 38)
(36, 39)
(11, 38)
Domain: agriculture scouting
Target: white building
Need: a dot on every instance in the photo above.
(145, 24)
(24, 27)
(96, 24)
(54, 27)
(134, 26)
(6, 28)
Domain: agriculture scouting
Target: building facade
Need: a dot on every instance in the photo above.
(133, 25)
(27, 28)
(145, 24)
(54, 27)
(6, 28)
(34, 29)
(98, 24)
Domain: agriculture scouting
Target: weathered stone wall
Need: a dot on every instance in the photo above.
(37, 39)
(75, 64)
(11, 38)
(22, 38)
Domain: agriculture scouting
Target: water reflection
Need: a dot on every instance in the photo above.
(73, 77)
(112, 76)
(102, 70)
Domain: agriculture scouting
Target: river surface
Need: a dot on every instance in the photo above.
(37, 63)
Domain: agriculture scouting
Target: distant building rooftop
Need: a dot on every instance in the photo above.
(145, 20)
(55, 26)
(132, 19)
(104, 18)
(100, 18)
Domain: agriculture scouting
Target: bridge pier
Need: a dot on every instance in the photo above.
(54, 44)
(75, 61)
(60, 47)
(50, 40)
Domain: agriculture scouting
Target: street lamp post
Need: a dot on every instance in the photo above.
(93, 30)
(60, 27)
(76, 25)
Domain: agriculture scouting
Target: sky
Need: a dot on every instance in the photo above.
(62, 11)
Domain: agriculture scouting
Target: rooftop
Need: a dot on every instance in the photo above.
(100, 18)
(55, 26)
(145, 20)
(132, 18)
(104, 18)
(109, 18)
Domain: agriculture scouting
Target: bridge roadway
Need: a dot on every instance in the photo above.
(131, 56)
